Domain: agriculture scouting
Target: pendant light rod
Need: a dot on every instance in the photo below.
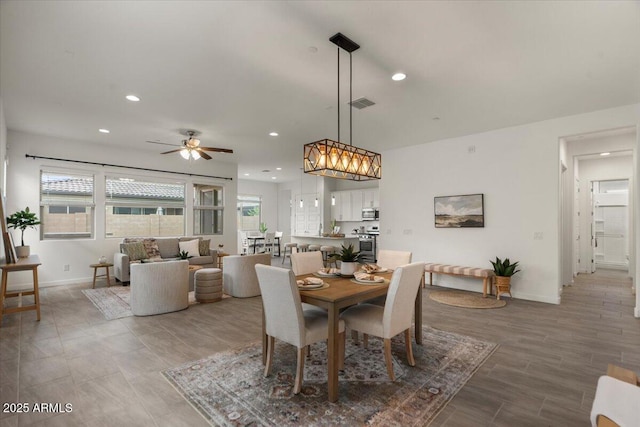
(344, 42)
(338, 93)
(350, 100)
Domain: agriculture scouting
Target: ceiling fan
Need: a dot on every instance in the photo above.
(190, 147)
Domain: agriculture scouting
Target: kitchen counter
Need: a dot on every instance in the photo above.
(328, 241)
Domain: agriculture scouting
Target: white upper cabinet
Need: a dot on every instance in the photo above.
(371, 198)
(347, 205)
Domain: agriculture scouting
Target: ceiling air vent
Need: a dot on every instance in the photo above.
(361, 103)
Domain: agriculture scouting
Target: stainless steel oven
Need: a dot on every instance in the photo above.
(367, 247)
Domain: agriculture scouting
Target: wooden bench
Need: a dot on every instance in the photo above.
(455, 270)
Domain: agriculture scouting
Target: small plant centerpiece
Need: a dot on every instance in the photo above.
(263, 227)
(22, 220)
(504, 270)
(349, 258)
(184, 255)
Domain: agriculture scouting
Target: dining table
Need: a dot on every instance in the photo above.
(341, 293)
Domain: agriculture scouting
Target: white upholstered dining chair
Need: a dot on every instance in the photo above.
(393, 259)
(288, 321)
(392, 319)
(306, 262)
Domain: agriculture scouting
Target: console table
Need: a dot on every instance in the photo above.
(24, 264)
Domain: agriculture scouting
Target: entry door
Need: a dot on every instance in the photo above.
(576, 226)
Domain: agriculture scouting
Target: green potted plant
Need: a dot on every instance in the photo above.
(349, 258)
(263, 227)
(504, 270)
(184, 255)
(22, 220)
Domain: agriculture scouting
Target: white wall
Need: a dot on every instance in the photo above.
(517, 171)
(23, 182)
(3, 155)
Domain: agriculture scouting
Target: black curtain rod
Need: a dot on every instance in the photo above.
(126, 167)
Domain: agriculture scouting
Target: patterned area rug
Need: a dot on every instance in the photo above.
(229, 389)
(466, 299)
(113, 302)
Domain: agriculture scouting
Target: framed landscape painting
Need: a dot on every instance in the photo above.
(459, 211)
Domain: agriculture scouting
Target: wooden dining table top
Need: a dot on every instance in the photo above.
(342, 291)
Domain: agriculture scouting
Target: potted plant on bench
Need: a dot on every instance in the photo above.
(503, 270)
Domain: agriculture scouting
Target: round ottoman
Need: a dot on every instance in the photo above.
(208, 284)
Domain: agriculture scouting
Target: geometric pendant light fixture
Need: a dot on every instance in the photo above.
(334, 158)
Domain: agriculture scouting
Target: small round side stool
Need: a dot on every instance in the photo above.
(208, 285)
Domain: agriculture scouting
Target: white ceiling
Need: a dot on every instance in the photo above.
(236, 71)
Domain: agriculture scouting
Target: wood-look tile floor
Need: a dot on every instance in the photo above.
(543, 374)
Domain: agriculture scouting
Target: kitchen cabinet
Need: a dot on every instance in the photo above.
(347, 205)
(341, 206)
(371, 198)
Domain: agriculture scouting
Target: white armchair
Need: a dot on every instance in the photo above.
(159, 287)
(239, 274)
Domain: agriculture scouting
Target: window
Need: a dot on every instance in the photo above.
(249, 212)
(208, 209)
(66, 205)
(144, 207)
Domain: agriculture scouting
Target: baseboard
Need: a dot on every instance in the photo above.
(29, 285)
(636, 312)
(516, 295)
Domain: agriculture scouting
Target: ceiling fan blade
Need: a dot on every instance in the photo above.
(172, 151)
(219, 150)
(203, 154)
(162, 143)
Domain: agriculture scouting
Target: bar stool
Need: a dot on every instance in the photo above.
(288, 246)
(303, 247)
(327, 251)
(313, 248)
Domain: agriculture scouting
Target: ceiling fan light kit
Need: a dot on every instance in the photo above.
(191, 148)
(334, 158)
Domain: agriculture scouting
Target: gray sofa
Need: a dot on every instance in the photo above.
(168, 248)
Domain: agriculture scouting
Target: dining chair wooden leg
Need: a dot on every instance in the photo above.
(407, 343)
(300, 370)
(270, 345)
(341, 347)
(365, 340)
(387, 358)
(354, 337)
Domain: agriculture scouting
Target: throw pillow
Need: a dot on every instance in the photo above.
(190, 246)
(204, 247)
(135, 251)
(151, 246)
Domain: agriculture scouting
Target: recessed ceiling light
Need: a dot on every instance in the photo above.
(278, 169)
(266, 170)
(605, 154)
(133, 98)
(398, 77)
(103, 130)
(273, 133)
(273, 177)
(246, 174)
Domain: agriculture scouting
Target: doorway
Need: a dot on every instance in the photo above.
(610, 224)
